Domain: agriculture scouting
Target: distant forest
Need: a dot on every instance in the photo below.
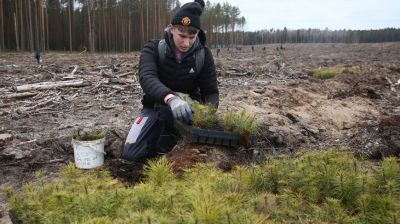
(126, 25)
(322, 36)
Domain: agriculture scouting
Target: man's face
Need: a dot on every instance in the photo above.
(183, 41)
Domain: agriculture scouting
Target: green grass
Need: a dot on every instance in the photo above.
(326, 73)
(330, 72)
(353, 71)
(313, 187)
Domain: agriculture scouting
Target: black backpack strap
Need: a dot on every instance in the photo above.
(199, 57)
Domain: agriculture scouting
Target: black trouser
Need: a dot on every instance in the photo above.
(152, 133)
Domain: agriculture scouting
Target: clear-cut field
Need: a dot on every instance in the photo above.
(359, 108)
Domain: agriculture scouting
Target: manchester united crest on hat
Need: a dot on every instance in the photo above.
(185, 21)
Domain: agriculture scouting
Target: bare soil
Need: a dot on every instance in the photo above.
(359, 109)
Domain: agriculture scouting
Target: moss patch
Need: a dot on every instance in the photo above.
(87, 135)
(326, 73)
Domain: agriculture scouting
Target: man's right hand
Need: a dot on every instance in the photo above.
(181, 109)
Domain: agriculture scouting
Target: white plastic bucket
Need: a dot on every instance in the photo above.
(88, 154)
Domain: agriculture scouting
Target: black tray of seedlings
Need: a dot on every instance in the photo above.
(208, 136)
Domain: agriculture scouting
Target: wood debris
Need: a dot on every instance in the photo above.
(52, 85)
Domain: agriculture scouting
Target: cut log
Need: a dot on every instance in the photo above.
(19, 95)
(51, 85)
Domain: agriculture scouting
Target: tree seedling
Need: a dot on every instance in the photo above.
(287, 189)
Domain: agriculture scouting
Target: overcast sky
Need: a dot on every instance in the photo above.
(332, 14)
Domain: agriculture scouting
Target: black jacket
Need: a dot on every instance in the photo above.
(158, 80)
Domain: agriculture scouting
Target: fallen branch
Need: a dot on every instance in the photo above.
(3, 113)
(114, 92)
(107, 107)
(117, 134)
(45, 112)
(73, 71)
(391, 85)
(50, 161)
(5, 139)
(37, 105)
(19, 95)
(71, 97)
(51, 85)
(80, 107)
(236, 72)
(4, 105)
(68, 77)
(116, 88)
(121, 81)
(102, 67)
(125, 74)
(52, 73)
(26, 142)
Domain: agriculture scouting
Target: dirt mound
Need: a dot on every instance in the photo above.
(185, 156)
(389, 129)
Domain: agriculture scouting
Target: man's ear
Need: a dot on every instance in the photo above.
(172, 30)
(171, 27)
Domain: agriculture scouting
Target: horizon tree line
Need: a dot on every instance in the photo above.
(126, 25)
(321, 36)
